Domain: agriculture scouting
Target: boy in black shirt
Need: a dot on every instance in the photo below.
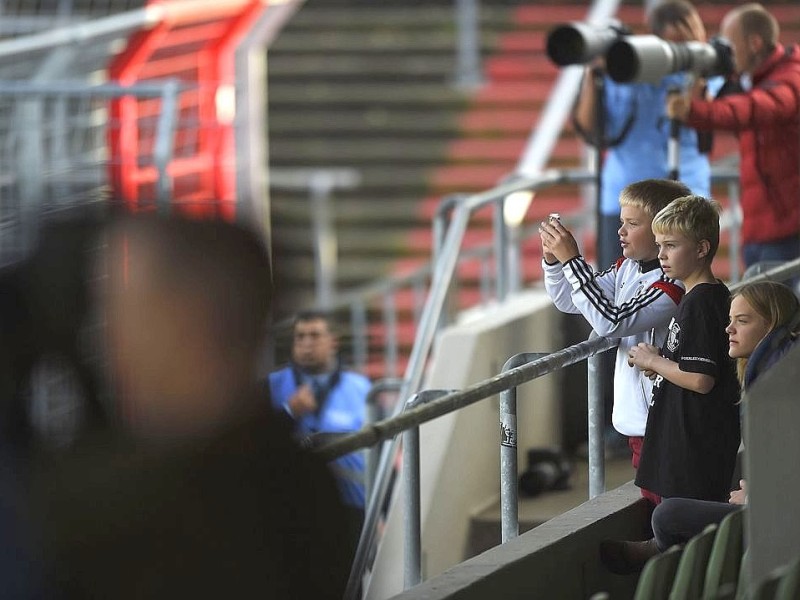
(692, 433)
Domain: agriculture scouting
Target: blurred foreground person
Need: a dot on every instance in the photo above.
(201, 492)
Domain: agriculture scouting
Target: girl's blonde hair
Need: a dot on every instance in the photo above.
(774, 302)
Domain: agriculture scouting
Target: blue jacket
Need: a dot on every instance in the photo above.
(642, 151)
(343, 410)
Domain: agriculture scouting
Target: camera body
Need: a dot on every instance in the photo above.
(548, 470)
(578, 43)
(648, 58)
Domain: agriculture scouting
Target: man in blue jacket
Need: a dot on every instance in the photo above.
(321, 397)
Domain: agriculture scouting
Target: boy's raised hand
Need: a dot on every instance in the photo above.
(548, 256)
(557, 241)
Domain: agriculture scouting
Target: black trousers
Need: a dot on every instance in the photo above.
(677, 520)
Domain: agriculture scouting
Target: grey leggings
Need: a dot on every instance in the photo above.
(677, 520)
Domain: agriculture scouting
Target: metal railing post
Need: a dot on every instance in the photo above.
(509, 490)
(390, 327)
(358, 328)
(597, 465)
(515, 264)
(320, 183)
(376, 414)
(374, 507)
(468, 54)
(325, 245)
(441, 219)
(164, 145)
(500, 248)
(389, 429)
(418, 287)
(486, 277)
(412, 570)
(736, 223)
(411, 481)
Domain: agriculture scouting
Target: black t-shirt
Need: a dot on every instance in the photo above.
(691, 439)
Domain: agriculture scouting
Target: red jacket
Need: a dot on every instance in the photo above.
(767, 121)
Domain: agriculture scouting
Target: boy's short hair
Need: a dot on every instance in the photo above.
(651, 195)
(693, 216)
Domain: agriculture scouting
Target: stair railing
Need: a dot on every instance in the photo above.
(443, 276)
(53, 129)
(439, 403)
(451, 235)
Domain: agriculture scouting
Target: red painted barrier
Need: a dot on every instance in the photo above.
(193, 41)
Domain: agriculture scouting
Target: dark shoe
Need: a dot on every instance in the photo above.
(624, 558)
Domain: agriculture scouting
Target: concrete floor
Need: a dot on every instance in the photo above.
(485, 526)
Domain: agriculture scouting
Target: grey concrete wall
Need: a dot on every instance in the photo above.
(772, 453)
(557, 560)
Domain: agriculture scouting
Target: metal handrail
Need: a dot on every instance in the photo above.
(384, 430)
(449, 236)
(40, 122)
(81, 32)
(443, 273)
(443, 403)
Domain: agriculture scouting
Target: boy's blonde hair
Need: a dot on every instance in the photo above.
(651, 195)
(694, 217)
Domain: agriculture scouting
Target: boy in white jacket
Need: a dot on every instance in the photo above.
(632, 300)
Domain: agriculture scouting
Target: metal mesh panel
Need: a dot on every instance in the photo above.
(52, 157)
(56, 154)
(23, 17)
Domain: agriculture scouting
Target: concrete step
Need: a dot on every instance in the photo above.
(330, 96)
(377, 181)
(370, 122)
(377, 151)
(399, 123)
(354, 241)
(390, 15)
(317, 96)
(402, 212)
(425, 38)
(352, 273)
(420, 68)
(372, 91)
(422, 151)
(383, 181)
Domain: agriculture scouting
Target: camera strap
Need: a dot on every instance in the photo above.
(596, 138)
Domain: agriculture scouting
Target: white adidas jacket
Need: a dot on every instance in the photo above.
(634, 301)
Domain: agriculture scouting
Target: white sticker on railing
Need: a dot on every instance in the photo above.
(508, 430)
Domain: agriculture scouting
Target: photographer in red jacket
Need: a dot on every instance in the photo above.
(765, 114)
